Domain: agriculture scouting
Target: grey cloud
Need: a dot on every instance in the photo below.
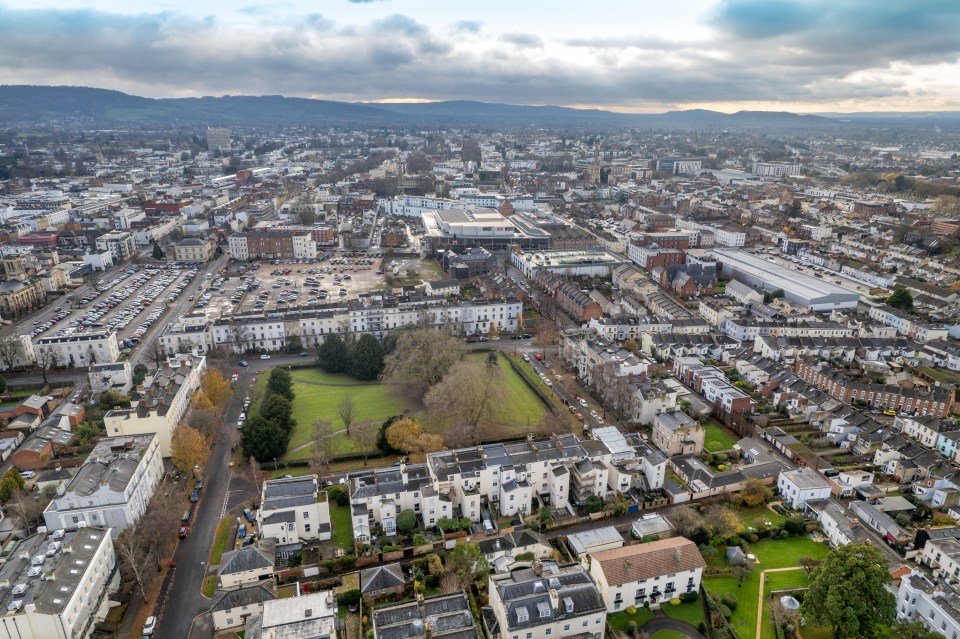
(468, 26)
(526, 40)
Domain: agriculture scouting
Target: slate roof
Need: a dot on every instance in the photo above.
(381, 578)
(246, 559)
(243, 597)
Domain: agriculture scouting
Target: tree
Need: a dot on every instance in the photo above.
(809, 564)
(418, 163)
(546, 516)
(421, 358)
(365, 437)
(215, 387)
(322, 449)
(546, 333)
(912, 630)
(900, 298)
(10, 484)
(139, 374)
(722, 521)
(47, 358)
(158, 354)
(185, 346)
(263, 439)
(741, 571)
(306, 217)
(136, 558)
(239, 335)
(188, 448)
(468, 563)
(157, 251)
(402, 433)
(201, 401)
(12, 351)
(467, 396)
(280, 383)
(279, 410)
(365, 358)
(847, 592)
(332, 354)
(294, 344)
(3, 386)
(554, 421)
(406, 520)
(685, 520)
(754, 493)
(345, 411)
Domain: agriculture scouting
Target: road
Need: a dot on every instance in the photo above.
(223, 492)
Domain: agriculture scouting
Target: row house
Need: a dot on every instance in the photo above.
(748, 329)
(837, 525)
(907, 325)
(620, 329)
(293, 510)
(937, 401)
(931, 603)
(711, 382)
(568, 296)
(378, 496)
(942, 354)
(593, 358)
(704, 345)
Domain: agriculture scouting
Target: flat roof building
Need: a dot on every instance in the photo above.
(459, 229)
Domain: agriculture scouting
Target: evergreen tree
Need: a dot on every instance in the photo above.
(157, 252)
(365, 360)
(900, 298)
(263, 439)
(332, 354)
(280, 383)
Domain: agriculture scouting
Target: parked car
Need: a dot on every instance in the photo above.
(248, 514)
(194, 496)
(243, 363)
(242, 532)
(538, 357)
(264, 356)
(184, 531)
(149, 626)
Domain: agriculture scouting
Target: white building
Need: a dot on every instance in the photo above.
(775, 169)
(25, 358)
(115, 376)
(293, 510)
(797, 487)
(78, 350)
(57, 585)
(653, 572)
(120, 244)
(163, 403)
(112, 488)
(935, 605)
(311, 615)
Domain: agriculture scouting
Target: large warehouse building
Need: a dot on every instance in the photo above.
(798, 288)
(465, 228)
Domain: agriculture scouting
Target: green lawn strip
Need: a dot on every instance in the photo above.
(757, 517)
(342, 526)
(716, 438)
(770, 554)
(209, 586)
(667, 634)
(221, 540)
(620, 620)
(521, 408)
(779, 581)
(691, 612)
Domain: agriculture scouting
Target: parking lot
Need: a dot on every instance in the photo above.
(129, 302)
(287, 284)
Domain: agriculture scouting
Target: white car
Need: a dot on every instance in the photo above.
(264, 356)
(149, 626)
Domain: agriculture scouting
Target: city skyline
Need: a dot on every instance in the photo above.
(725, 55)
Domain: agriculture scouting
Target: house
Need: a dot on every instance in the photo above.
(39, 448)
(881, 522)
(503, 550)
(943, 558)
(930, 603)
(112, 488)
(443, 616)
(442, 287)
(247, 565)
(58, 584)
(839, 527)
(796, 487)
(234, 607)
(382, 580)
(594, 540)
(651, 572)
(676, 434)
(554, 601)
(308, 615)
(294, 509)
(192, 249)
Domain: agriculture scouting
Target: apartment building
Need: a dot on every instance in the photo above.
(120, 244)
(651, 573)
(931, 603)
(78, 350)
(192, 249)
(272, 245)
(112, 488)
(192, 331)
(942, 556)
(294, 509)
(379, 496)
(58, 584)
(554, 602)
(162, 404)
(676, 434)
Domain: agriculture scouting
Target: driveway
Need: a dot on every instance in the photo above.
(665, 623)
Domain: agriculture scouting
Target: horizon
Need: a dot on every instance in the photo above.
(805, 57)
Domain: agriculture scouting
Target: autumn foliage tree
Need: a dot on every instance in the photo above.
(215, 387)
(408, 436)
(754, 493)
(188, 448)
(722, 521)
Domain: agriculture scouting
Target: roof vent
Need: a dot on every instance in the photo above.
(308, 612)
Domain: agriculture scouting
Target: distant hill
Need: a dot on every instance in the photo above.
(22, 104)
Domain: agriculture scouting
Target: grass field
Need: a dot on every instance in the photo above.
(221, 540)
(619, 620)
(691, 612)
(716, 438)
(342, 533)
(770, 554)
(757, 517)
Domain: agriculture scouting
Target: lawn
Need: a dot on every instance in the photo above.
(619, 620)
(716, 438)
(342, 526)
(209, 586)
(755, 518)
(770, 554)
(372, 402)
(691, 612)
(221, 540)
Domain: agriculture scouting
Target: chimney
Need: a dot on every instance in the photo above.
(677, 554)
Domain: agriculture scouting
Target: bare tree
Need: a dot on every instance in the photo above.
(421, 358)
(365, 436)
(322, 446)
(467, 396)
(47, 358)
(554, 421)
(239, 335)
(12, 350)
(136, 559)
(546, 333)
(27, 509)
(346, 412)
(158, 353)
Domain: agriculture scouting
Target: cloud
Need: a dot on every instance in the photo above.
(524, 40)
(364, 1)
(755, 51)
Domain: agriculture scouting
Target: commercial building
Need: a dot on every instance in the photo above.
(587, 262)
(121, 245)
(77, 350)
(112, 488)
(775, 169)
(647, 573)
(192, 249)
(460, 229)
(218, 139)
(800, 289)
(57, 584)
(678, 166)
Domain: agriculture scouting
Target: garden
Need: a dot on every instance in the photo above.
(716, 438)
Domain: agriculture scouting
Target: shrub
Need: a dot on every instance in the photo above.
(688, 597)
(726, 612)
(729, 600)
(419, 540)
(794, 526)
(631, 627)
(525, 556)
(343, 500)
(390, 548)
(406, 520)
(631, 610)
(783, 534)
(349, 597)
(347, 560)
(434, 564)
(702, 627)
(594, 504)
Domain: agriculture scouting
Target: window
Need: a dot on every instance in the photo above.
(306, 527)
(306, 514)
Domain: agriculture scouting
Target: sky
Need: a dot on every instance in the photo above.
(643, 56)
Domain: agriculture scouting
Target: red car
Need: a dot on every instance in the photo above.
(538, 357)
(184, 531)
